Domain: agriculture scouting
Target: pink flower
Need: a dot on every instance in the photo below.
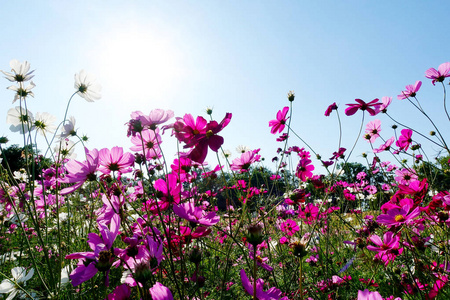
(440, 74)
(405, 176)
(279, 124)
(304, 169)
(289, 227)
(244, 162)
(81, 172)
(338, 154)
(330, 109)
(160, 292)
(195, 214)
(271, 294)
(147, 143)
(385, 147)
(386, 101)
(398, 216)
(115, 160)
(370, 107)
(411, 90)
(368, 295)
(101, 259)
(388, 248)
(309, 214)
(373, 129)
(122, 291)
(404, 140)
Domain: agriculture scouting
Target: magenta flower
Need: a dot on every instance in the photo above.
(169, 190)
(330, 109)
(279, 124)
(338, 154)
(271, 294)
(440, 74)
(289, 227)
(370, 107)
(404, 140)
(80, 172)
(244, 162)
(304, 169)
(398, 216)
(411, 90)
(195, 214)
(209, 138)
(115, 160)
(309, 214)
(160, 292)
(122, 291)
(101, 259)
(387, 250)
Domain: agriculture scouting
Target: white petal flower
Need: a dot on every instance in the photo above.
(68, 129)
(87, 87)
(44, 122)
(19, 71)
(242, 149)
(21, 92)
(65, 149)
(21, 120)
(10, 286)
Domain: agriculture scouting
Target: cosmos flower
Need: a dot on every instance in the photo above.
(244, 162)
(304, 169)
(404, 140)
(86, 86)
(195, 214)
(115, 160)
(279, 124)
(373, 129)
(81, 172)
(398, 216)
(411, 90)
(440, 74)
(10, 286)
(386, 146)
(330, 109)
(388, 248)
(20, 71)
(21, 91)
(371, 107)
(44, 123)
(21, 120)
(271, 294)
(160, 292)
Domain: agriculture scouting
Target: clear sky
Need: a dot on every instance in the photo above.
(235, 56)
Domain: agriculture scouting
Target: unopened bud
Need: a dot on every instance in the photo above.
(291, 96)
(432, 133)
(255, 234)
(394, 126)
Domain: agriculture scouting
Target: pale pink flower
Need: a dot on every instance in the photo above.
(411, 90)
(440, 74)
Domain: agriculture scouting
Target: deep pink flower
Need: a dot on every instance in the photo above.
(309, 214)
(115, 160)
(101, 259)
(404, 140)
(338, 154)
(279, 124)
(160, 292)
(195, 214)
(388, 249)
(440, 74)
(168, 190)
(244, 162)
(121, 292)
(209, 138)
(370, 107)
(304, 169)
(398, 216)
(411, 90)
(186, 129)
(289, 227)
(330, 109)
(80, 172)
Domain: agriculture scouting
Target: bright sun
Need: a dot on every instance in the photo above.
(138, 64)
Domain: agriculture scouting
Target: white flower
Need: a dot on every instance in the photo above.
(44, 122)
(226, 153)
(21, 92)
(65, 149)
(19, 71)
(21, 120)
(242, 149)
(10, 286)
(87, 87)
(68, 129)
(65, 275)
(21, 175)
(18, 218)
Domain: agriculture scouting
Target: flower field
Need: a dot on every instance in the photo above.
(128, 223)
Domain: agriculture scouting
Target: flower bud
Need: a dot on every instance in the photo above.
(394, 126)
(432, 133)
(291, 96)
(255, 236)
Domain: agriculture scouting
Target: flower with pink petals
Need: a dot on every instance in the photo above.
(385, 102)
(411, 90)
(195, 214)
(244, 162)
(330, 109)
(388, 249)
(271, 294)
(386, 146)
(405, 176)
(404, 140)
(147, 142)
(373, 129)
(160, 292)
(398, 216)
(115, 160)
(304, 169)
(279, 124)
(368, 295)
(440, 74)
(371, 107)
(290, 227)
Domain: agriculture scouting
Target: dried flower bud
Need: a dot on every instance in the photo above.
(291, 96)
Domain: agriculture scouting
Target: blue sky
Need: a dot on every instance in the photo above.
(235, 56)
